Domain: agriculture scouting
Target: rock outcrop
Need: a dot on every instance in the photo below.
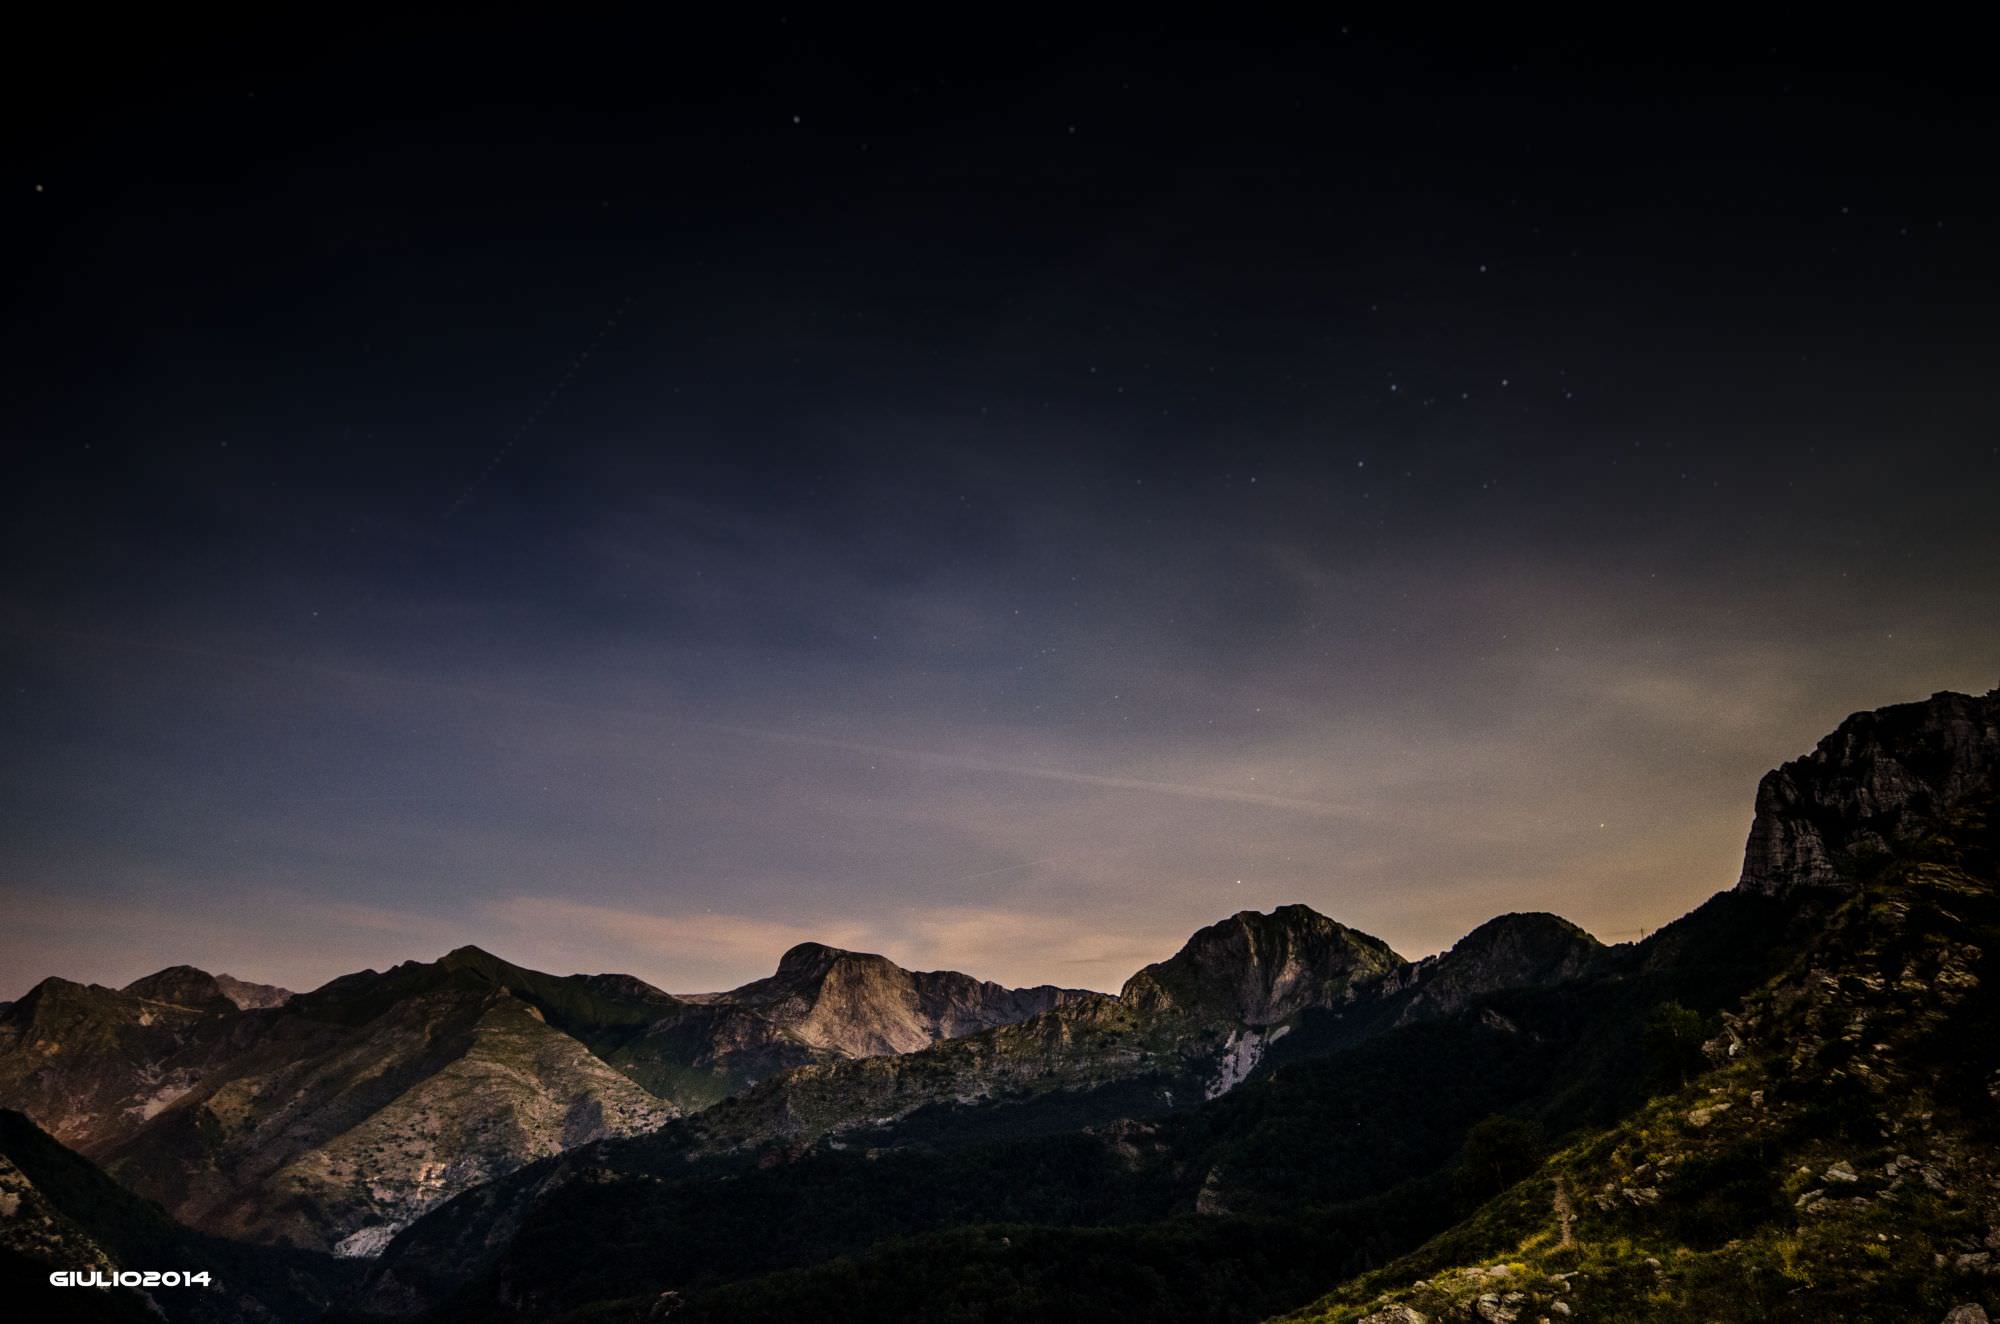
(1841, 1128)
(1882, 779)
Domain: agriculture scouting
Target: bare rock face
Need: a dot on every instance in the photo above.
(249, 996)
(1257, 970)
(1395, 1315)
(1881, 778)
(857, 1004)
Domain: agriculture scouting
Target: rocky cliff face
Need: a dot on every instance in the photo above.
(1255, 970)
(1836, 1159)
(249, 996)
(1882, 778)
(857, 1004)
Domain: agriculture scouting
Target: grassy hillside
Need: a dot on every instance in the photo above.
(1776, 1106)
(1836, 1161)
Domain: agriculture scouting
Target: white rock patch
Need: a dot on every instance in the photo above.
(155, 1103)
(368, 1242)
(1239, 1058)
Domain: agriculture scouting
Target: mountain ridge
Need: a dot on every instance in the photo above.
(1281, 1080)
(273, 1120)
(1593, 1007)
(830, 1029)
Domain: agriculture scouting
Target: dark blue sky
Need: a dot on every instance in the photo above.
(637, 499)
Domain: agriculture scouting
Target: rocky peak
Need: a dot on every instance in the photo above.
(1521, 950)
(859, 1004)
(252, 996)
(476, 959)
(811, 960)
(1882, 777)
(811, 972)
(181, 986)
(1255, 969)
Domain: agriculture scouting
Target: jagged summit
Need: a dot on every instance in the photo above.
(817, 955)
(1256, 969)
(1882, 778)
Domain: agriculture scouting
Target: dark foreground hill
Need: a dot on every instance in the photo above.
(59, 1212)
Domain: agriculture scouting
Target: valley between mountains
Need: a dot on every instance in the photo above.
(1784, 1105)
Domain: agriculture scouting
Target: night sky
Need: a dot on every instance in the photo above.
(637, 498)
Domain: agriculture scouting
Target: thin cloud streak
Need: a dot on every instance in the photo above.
(961, 762)
(969, 763)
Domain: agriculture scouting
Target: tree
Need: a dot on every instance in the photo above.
(1497, 1153)
(1672, 1039)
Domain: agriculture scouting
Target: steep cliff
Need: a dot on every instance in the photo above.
(1829, 1153)
(858, 1004)
(1879, 782)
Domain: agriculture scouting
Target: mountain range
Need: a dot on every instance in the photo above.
(1780, 1106)
(331, 1118)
